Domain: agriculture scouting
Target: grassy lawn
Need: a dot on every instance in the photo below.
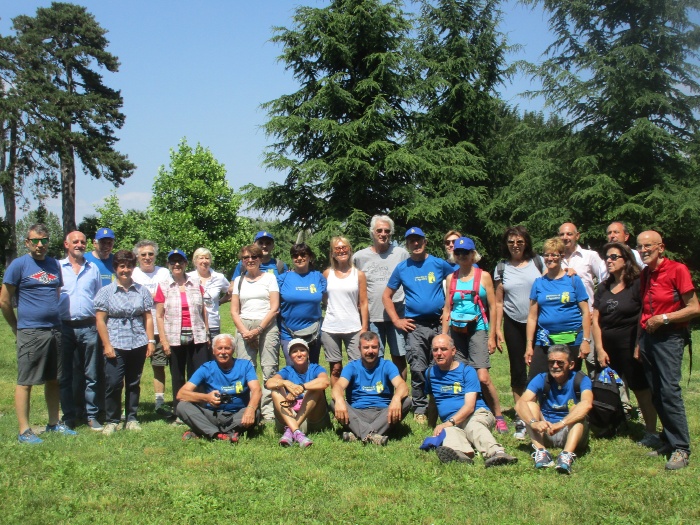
(155, 477)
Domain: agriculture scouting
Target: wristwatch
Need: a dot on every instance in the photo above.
(666, 319)
(588, 340)
(452, 420)
(533, 420)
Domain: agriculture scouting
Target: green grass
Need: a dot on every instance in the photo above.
(154, 477)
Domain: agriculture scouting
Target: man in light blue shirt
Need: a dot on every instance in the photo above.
(80, 353)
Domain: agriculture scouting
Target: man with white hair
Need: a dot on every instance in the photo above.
(222, 398)
(378, 261)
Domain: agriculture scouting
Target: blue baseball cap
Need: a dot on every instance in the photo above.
(104, 233)
(262, 234)
(414, 230)
(177, 252)
(464, 243)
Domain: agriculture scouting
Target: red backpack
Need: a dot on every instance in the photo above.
(474, 292)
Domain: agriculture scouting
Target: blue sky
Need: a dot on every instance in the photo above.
(201, 70)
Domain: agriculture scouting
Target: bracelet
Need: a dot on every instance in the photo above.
(152, 341)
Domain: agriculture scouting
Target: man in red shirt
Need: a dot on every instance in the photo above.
(669, 302)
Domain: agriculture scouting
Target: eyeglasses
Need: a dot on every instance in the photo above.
(556, 362)
(613, 257)
(515, 243)
(450, 243)
(382, 230)
(253, 257)
(300, 256)
(177, 261)
(462, 253)
(551, 255)
(44, 241)
(147, 254)
(646, 247)
(340, 250)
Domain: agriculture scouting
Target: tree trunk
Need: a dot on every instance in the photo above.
(67, 158)
(8, 193)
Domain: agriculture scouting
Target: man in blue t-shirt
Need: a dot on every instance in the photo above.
(222, 398)
(268, 263)
(421, 277)
(554, 412)
(455, 391)
(377, 396)
(35, 280)
(102, 256)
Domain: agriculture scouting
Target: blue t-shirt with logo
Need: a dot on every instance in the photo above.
(289, 373)
(210, 376)
(300, 300)
(560, 400)
(105, 267)
(448, 389)
(558, 303)
(370, 388)
(422, 284)
(37, 284)
(269, 267)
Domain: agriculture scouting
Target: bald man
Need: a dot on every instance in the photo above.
(669, 302)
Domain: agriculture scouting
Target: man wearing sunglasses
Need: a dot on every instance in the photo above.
(554, 408)
(102, 255)
(35, 280)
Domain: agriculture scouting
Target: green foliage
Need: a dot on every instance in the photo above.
(193, 206)
(129, 227)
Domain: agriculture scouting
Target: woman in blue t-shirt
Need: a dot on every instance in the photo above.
(558, 314)
(302, 290)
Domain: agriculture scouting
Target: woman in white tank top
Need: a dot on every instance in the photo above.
(347, 312)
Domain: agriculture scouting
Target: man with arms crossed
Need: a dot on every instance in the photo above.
(35, 281)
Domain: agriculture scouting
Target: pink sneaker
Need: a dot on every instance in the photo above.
(287, 439)
(301, 438)
(501, 425)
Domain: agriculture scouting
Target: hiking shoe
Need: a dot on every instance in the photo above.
(189, 435)
(60, 428)
(650, 440)
(234, 438)
(110, 428)
(679, 460)
(133, 425)
(542, 457)
(499, 458)
(520, 430)
(501, 425)
(377, 439)
(222, 436)
(564, 462)
(301, 438)
(664, 450)
(447, 455)
(95, 425)
(29, 437)
(349, 437)
(287, 439)
(421, 419)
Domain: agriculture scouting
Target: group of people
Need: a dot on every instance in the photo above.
(86, 324)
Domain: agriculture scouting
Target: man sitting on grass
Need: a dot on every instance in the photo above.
(455, 391)
(377, 396)
(231, 399)
(560, 418)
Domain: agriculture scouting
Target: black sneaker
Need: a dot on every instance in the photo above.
(499, 458)
(447, 455)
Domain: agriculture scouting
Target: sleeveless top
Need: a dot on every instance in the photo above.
(342, 313)
(464, 308)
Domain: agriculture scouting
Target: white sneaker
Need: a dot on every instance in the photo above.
(110, 428)
(133, 425)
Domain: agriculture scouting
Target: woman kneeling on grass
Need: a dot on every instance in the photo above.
(298, 395)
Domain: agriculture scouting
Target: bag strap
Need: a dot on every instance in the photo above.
(477, 297)
(453, 288)
(280, 266)
(578, 378)
(538, 263)
(501, 269)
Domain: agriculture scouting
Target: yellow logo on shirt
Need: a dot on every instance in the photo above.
(565, 297)
(312, 288)
(456, 388)
(431, 278)
(380, 387)
(239, 387)
(570, 404)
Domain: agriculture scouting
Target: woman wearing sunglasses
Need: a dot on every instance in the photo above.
(255, 301)
(347, 312)
(616, 309)
(467, 316)
(559, 312)
(302, 290)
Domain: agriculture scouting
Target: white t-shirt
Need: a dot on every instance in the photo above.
(214, 288)
(150, 280)
(255, 296)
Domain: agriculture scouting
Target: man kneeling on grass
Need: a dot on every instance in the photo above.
(455, 391)
(299, 396)
(231, 399)
(560, 418)
(377, 396)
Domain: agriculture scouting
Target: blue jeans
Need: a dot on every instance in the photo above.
(79, 372)
(662, 357)
(389, 334)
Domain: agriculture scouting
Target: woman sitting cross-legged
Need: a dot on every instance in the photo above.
(298, 395)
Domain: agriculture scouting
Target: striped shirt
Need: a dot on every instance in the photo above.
(125, 314)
